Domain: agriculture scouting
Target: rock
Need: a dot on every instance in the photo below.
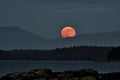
(88, 72)
(41, 72)
(88, 78)
(34, 74)
(111, 76)
(66, 74)
(12, 76)
(47, 74)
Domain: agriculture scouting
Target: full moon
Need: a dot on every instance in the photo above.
(68, 31)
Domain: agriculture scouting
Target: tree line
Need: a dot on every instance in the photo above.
(94, 53)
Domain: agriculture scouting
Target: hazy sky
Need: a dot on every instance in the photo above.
(47, 17)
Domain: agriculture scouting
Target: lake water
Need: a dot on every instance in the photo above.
(16, 66)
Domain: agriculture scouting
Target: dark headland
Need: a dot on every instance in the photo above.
(90, 53)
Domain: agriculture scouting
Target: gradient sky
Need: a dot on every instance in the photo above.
(48, 17)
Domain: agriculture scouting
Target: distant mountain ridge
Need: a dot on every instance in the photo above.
(15, 37)
(18, 38)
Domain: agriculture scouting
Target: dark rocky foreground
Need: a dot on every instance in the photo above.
(47, 74)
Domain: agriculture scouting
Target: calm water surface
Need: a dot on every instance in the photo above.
(16, 66)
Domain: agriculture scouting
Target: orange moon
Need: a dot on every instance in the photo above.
(68, 31)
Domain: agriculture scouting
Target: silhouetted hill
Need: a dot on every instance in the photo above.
(17, 38)
(95, 39)
(103, 38)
